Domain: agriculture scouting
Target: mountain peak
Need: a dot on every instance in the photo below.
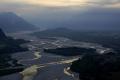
(11, 22)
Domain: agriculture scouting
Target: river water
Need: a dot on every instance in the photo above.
(43, 66)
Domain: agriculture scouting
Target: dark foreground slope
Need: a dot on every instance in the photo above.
(8, 46)
(10, 22)
(98, 67)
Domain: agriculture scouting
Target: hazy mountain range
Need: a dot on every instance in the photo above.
(102, 19)
(91, 19)
(10, 22)
(74, 34)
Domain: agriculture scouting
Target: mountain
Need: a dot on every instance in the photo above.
(10, 22)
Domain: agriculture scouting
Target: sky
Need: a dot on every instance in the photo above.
(26, 5)
(52, 13)
(62, 3)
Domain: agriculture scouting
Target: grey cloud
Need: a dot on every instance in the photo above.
(103, 2)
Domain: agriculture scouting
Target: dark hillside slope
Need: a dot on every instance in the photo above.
(9, 46)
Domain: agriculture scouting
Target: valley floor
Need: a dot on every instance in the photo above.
(43, 66)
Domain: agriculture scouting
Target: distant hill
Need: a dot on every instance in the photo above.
(106, 38)
(10, 22)
(57, 32)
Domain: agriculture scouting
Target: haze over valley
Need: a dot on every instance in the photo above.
(59, 40)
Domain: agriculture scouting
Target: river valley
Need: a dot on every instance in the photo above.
(44, 66)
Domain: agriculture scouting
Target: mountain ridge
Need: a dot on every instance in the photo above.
(11, 22)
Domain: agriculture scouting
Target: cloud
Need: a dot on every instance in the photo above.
(63, 3)
(24, 6)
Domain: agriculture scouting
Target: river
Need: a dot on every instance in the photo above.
(44, 66)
